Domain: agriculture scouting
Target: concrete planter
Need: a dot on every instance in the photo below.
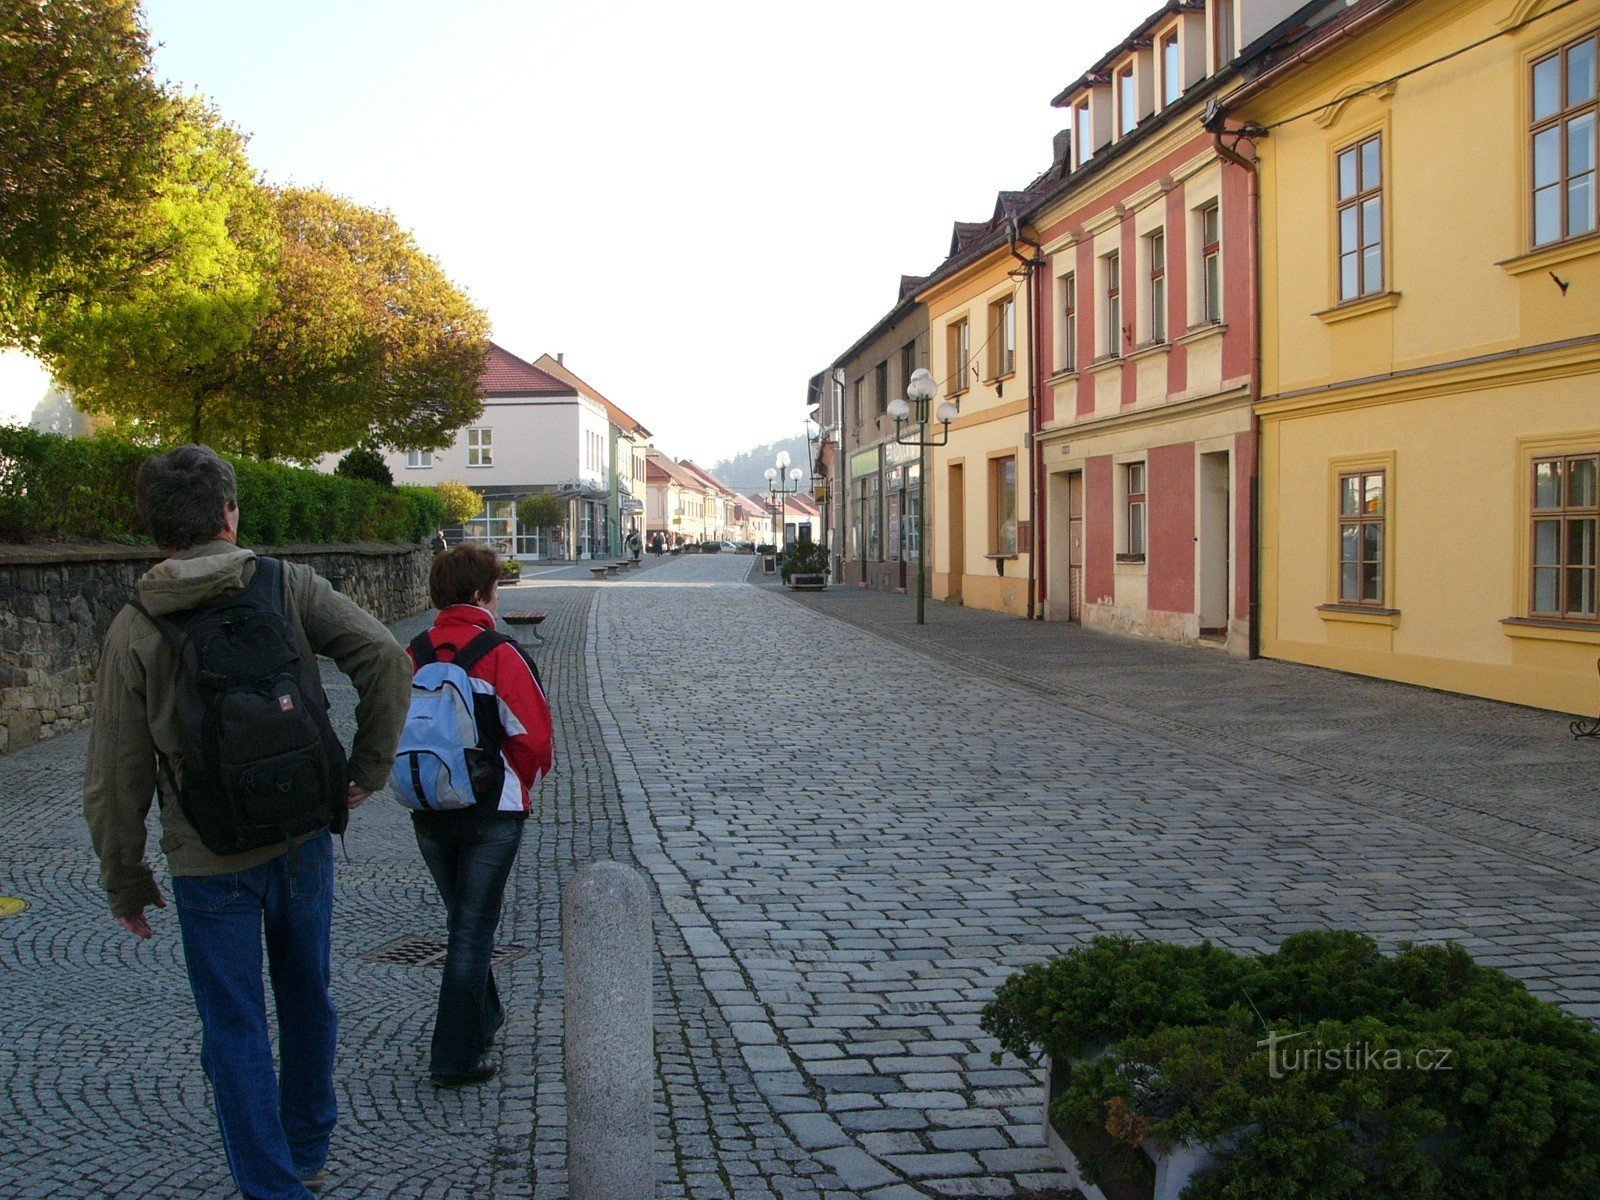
(808, 583)
(1173, 1166)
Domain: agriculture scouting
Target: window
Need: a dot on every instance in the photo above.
(959, 349)
(1158, 286)
(1002, 337)
(880, 387)
(1082, 135)
(480, 447)
(493, 528)
(1171, 69)
(908, 365)
(1134, 505)
(1361, 219)
(1069, 321)
(911, 528)
(1564, 114)
(1566, 512)
(419, 459)
(1211, 263)
(860, 405)
(1361, 537)
(1127, 102)
(1222, 31)
(1113, 263)
(1003, 497)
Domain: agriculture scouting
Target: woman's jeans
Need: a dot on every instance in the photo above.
(275, 1124)
(470, 856)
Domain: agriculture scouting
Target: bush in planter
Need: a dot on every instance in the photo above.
(510, 570)
(804, 558)
(1515, 1116)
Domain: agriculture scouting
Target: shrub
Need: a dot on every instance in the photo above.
(1170, 1046)
(53, 487)
(460, 502)
(365, 463)
(804, 558)
(510, 570)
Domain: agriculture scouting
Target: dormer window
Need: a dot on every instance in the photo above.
(1171, 68)
(1222, 32)
(1127, 102)
(1082, 135)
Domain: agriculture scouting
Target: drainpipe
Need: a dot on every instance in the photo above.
(1216, 124)
(1030, 265)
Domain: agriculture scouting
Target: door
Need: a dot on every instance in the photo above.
(958, 532)
(1216, 544)
(1075, 546)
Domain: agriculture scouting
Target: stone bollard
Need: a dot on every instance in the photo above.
(610, 1042)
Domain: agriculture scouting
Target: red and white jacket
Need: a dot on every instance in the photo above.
(506, 674)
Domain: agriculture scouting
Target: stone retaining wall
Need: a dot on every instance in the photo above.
(56, 603)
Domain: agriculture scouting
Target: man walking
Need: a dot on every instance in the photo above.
(252, 784)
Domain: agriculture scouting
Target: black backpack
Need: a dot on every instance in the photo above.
(261, 762)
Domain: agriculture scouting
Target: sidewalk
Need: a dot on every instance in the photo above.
(1512, 780)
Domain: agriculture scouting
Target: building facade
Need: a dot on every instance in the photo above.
(1145, 320)
(873, 499)
(1430, 408)
(981, 487)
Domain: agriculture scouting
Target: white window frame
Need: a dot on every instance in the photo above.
(419, 460)
(480, 446)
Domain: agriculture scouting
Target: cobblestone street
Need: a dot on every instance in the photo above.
(855, 830)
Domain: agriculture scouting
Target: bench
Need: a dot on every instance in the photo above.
(531, 619)
(600, 572)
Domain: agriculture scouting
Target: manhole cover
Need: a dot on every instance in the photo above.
(419, 950)
(10, 906)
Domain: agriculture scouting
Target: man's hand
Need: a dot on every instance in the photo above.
(139, 924)
(356, 796)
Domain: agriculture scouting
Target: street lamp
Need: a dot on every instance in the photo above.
(779, 488)
(921, 389)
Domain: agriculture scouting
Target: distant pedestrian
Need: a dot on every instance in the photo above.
(208, 697)
(470, 849)
(439, 544)
(635, 545)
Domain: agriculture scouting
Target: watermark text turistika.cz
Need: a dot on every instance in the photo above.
(1285, 1059)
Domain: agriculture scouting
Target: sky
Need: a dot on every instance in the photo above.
(700, 204)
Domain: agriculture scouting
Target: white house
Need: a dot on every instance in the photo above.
(538, 435)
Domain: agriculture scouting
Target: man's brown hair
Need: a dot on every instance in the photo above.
(461, 574)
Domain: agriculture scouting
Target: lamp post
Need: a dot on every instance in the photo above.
(779, 488)
(921, 389)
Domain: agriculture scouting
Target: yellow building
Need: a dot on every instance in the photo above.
(980, 485)
(1430, 296)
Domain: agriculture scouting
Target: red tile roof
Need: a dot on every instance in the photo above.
(619, 418)
(507, 375)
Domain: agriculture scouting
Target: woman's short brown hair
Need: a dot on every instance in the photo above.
(460, 575)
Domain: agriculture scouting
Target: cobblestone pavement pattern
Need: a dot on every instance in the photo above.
(828, 927)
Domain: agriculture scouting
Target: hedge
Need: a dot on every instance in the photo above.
(53, 487)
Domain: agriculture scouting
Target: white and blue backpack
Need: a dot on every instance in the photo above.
(449, 753)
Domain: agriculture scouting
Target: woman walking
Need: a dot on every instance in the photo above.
(469, 851)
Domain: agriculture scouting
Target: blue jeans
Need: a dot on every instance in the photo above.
(275, 1125)
(469, 855)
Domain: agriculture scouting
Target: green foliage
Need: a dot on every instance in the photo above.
(54, 487)
(510, 570)
(1172, 1039)
(84, 144)
(804, 558)
(365, 463)
(541, 512)
(461, 504)
(156, 352)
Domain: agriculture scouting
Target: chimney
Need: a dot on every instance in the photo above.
(1062, 145)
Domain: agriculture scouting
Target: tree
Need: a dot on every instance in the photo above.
(158, 352)
(541, 512)
(84, 146)
(365, 463)
(364, 339)
(461, 503)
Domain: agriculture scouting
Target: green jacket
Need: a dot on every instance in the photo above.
(135, 713)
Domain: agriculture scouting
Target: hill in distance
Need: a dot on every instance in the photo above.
(745, 472)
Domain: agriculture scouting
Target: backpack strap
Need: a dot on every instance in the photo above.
(164, 627)
(478, 648)
(422, 650)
